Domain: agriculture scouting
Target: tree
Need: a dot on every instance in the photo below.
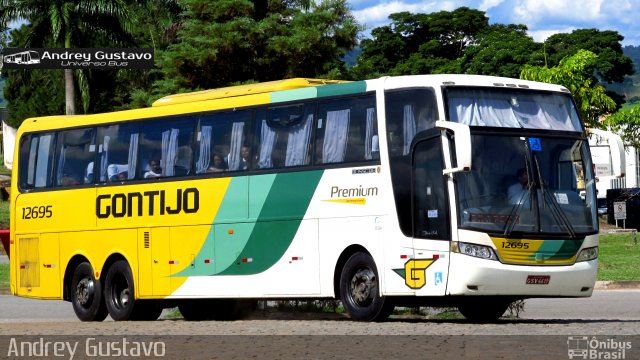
(234, 41)
(420, 43)
(502, 50)
(626, 122)
(611, 65)
(573, 73)
(68, 23)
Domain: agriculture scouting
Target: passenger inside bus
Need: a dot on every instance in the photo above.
(154, 170)
(218, 164)
(514, 193)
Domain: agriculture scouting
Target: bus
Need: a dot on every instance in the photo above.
(604, 164)
(434, 190)
(24, 57)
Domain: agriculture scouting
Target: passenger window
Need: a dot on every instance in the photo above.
(284, 136)
(75, 156)
(224, 142)
(408, 112)
(36, 154)
(118, 152)
(165, 148)
(347, 131)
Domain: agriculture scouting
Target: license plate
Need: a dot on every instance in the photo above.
(538, 279)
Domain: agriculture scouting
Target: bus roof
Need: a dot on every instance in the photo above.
(241, 90)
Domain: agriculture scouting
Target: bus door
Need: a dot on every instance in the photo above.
(431, 219)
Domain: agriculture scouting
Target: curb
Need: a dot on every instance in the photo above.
(617, 285)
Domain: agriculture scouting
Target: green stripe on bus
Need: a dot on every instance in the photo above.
(557, 249)
(296, 94)
(342, 89)
(281, 200)
(278, 223)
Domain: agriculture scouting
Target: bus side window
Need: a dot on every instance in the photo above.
(36, 154)
(284, 136)
(75, 151)
(117, 149)
(223, 142)
(161, 142)
(408, 112)
(347, 131)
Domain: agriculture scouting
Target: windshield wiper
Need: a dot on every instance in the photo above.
(554, 208)
(515, 211)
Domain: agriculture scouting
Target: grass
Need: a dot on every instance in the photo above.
(619, 257)
(4, 216)
(4, 276)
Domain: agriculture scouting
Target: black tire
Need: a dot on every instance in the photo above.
(483, 310)
(216, 309)
(119, 293)
(359, 290)
(194, 310)
(86, 294)
(146, 310)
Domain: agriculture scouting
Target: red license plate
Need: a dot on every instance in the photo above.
(538, 279)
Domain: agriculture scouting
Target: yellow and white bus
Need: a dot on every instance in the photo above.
(386, 192)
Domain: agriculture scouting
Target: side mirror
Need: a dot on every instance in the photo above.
(462, 143)
(616, 148)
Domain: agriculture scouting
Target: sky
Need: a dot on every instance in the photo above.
(542, 17)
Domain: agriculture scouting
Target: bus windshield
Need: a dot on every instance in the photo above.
(528, 186)
(512, 108)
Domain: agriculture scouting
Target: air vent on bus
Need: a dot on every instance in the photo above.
(147, 240)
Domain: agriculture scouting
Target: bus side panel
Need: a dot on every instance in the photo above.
(55, 211)
(249, 264)
(154, 269)
(39, 269)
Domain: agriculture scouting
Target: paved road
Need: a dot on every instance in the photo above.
(543, 331)
(4, 259)
(615, 311)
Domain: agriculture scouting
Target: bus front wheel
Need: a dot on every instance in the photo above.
(86, 294)
(359, 290)
(119, 291)
(483, 310)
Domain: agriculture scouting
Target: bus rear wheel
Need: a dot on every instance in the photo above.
(359, 290)
(119, 291)
(216, 309)
(86, 294)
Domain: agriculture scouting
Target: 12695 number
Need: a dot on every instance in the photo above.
(515, 245)
(37, 212)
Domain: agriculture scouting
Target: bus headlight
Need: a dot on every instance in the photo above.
(475, 250)
(588, 254)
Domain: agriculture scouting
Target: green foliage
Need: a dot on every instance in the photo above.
(502, 50)
(420, 43)
(626, 122)
(4, 276)
(4, 215)
(229, 41)
(619, 257)
(611, 64)
(67, 24)
(573, 73)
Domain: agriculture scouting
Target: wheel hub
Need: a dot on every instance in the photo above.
(124, 297)
(85, 291)
(363, 286)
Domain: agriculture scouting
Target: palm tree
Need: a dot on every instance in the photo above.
(67, 24)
